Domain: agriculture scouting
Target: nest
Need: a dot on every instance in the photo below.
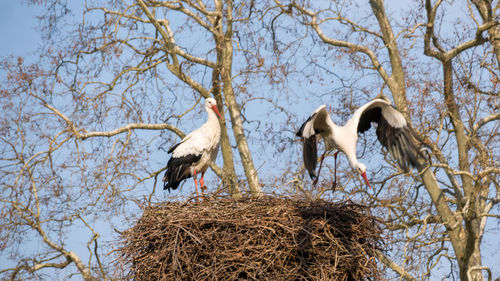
(252, 239)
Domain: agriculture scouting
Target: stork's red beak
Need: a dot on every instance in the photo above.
(366, 179)
(214, 108)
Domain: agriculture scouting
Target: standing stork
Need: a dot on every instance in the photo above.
(392, 131)
(195, 152)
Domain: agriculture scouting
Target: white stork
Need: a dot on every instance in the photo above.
(392, 131)
(195, 152)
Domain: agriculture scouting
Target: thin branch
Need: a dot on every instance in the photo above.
(129, 127)
(484, 121)
(396, 268)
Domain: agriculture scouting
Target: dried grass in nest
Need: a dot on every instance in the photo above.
(252, 239)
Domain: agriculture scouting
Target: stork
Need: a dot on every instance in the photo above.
(393, 132)
(195, 152)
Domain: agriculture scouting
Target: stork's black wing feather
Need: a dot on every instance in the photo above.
(310, 155)
(174, 147)
(310, 150)
(397, 138)
(176, 170)
(300, 132)
(371, 115)
(400, 143)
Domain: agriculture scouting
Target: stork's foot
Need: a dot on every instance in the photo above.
(203, 189)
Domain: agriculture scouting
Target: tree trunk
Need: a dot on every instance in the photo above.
(396, 82)
(229, 179)
(231, 103)
(228, 172)
(470, 263)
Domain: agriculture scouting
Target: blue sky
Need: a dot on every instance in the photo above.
(20, 38)
(17, 28)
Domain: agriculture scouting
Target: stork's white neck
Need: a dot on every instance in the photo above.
(358, 166)
(212, 117)
(353, 160)
(213, 122)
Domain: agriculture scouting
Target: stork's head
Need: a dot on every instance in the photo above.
(361, 169)
(211, 104)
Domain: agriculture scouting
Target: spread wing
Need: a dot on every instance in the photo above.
(316, 125)
(393, 131)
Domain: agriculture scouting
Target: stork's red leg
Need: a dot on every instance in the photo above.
(202, 184)
(334, 186)
(319, 170)
(195, 184)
